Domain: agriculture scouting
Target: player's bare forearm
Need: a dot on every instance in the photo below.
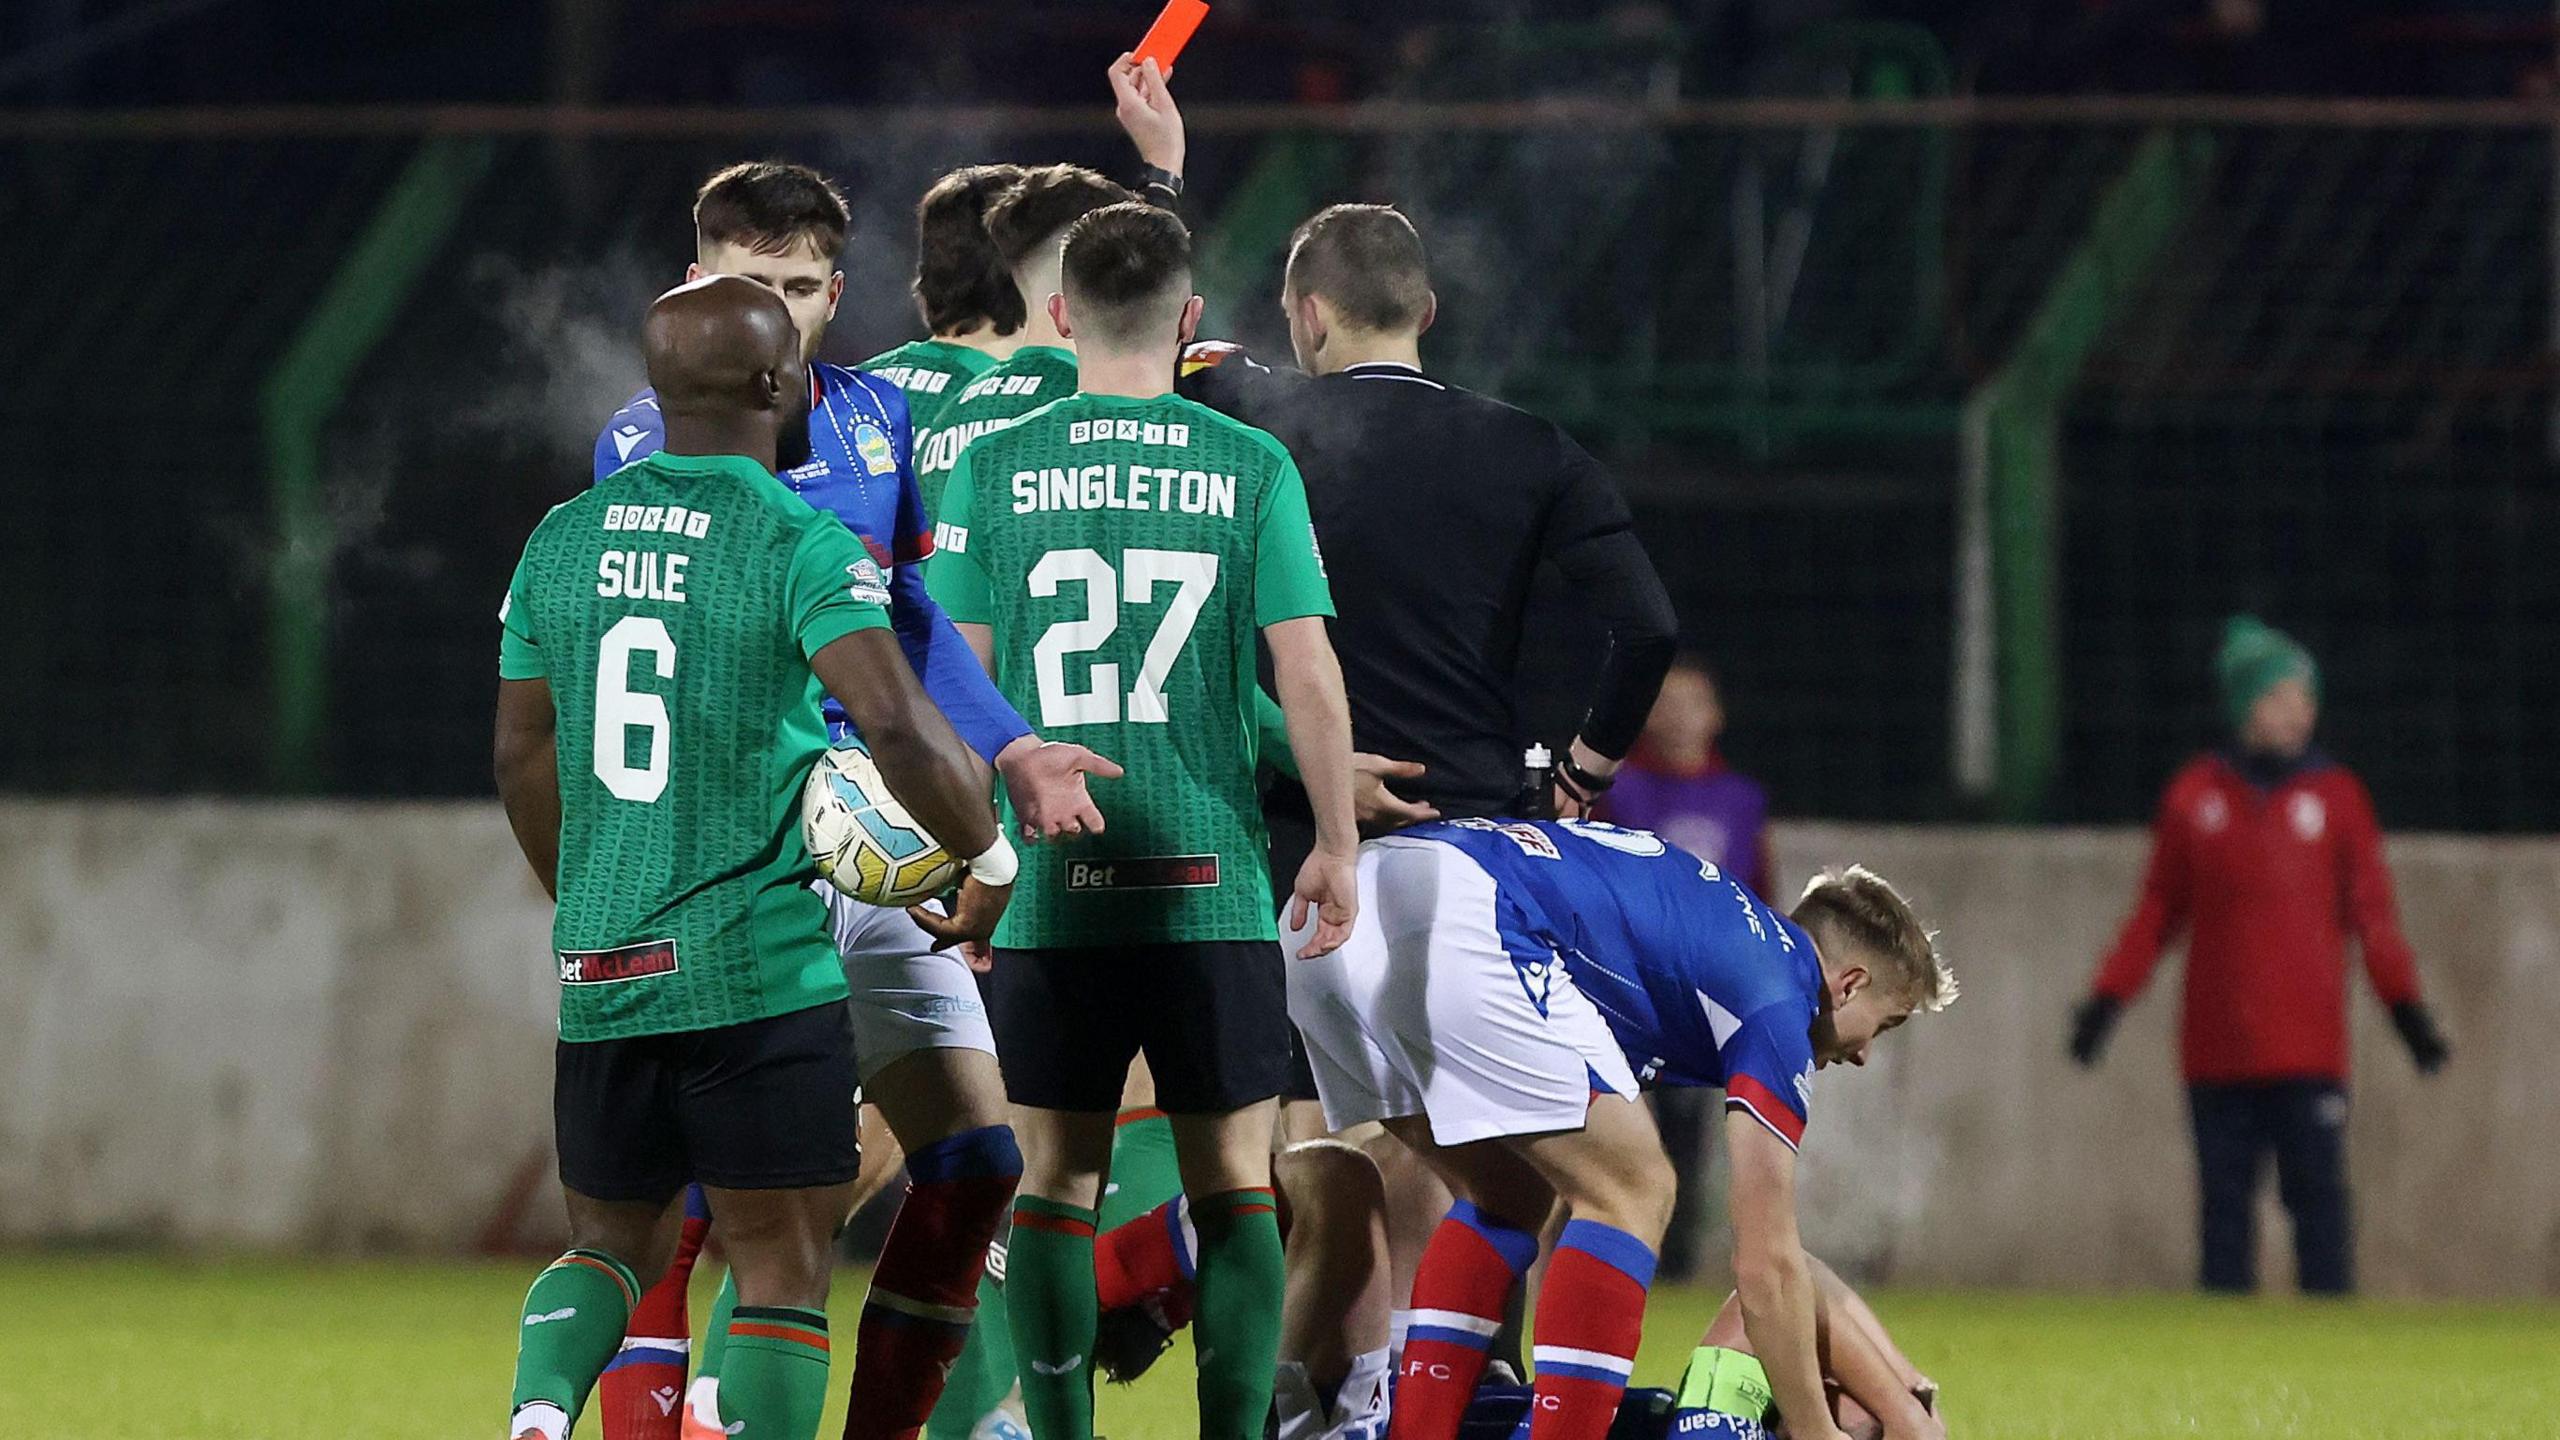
(1309, 679)
(1772, 1276)
(526, 764)
(1144, 105)
(937, 777)
(1845, 1308)
(1857, 1354)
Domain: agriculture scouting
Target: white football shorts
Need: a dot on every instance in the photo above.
(1441, 1004)
(1357, 1409)
(907, 996)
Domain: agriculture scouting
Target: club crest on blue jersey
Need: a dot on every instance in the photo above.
(873, 446)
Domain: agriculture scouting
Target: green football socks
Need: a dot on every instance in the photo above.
(1144, 1175)
(715, 1336)
(773, 1383)
(1144, 1170)
(1237, 1332)
(573, 1320)
(1049, 1297)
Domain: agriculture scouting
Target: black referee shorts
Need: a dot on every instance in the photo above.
(767, 1105)
(1211, 1016)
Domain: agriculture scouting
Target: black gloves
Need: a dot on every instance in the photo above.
(2418, 1031)
(2089, 1026)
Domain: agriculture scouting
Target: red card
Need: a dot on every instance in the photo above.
(1172, 31)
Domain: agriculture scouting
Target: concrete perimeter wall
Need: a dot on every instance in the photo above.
(329, 1027)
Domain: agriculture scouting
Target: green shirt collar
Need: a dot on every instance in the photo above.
(1123, 402)
(738, 465)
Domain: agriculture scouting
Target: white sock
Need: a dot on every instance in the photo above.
(704, 1400)
(542, 1418)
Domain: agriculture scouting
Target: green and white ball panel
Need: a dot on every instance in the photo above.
(864, 842)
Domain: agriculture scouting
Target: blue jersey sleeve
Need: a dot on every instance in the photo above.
(950, 670)
(967, 695)
(635, 432)
(1768, 1070)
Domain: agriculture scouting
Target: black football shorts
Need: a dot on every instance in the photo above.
(767, 1105)
(1211, 1016)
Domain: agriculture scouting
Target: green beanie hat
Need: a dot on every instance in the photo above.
(2255, 658)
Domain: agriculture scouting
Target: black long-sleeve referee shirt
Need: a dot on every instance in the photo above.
(1434, 507)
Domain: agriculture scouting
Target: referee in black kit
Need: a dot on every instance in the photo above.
(1435, 507)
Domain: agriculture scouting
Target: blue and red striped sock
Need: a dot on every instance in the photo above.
(640, 1396)
(1460, 1291)
(924, 1295)
(1590, 1316)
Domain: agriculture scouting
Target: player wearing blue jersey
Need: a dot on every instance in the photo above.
(926, 1055)
(1511, 987)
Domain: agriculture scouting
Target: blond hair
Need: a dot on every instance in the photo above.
(1859, 908)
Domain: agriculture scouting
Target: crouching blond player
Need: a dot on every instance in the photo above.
(1510, 987)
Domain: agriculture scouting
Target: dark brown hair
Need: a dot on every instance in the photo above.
(771, 208)
(1859, 909)
(1126, 270)
(961, 283)
(1366, 260)
(1045, 201)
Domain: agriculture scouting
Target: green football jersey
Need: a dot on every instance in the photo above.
(1028, 379)
(931, 372)
(1127, 553)
(673, 608)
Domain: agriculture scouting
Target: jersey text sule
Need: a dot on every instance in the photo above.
(672, 610)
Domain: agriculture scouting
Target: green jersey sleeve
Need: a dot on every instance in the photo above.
(956, 579)
(836, 588)
(519, 655)
(1288, 573)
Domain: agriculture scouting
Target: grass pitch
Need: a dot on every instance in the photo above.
(268, 1350)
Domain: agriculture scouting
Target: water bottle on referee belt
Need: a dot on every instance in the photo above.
(1538, 784)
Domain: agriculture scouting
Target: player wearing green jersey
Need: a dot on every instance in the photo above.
(1027, 223)
(676, 624)
(971, 310)
(1115, 554)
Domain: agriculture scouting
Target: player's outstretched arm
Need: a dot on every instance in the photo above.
(1378, 809)
(1309, 679)
(528, 772)
(1044, 778)
(1771, 1275)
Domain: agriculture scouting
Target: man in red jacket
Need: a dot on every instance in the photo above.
(2268, 855)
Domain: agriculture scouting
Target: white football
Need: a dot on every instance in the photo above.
(865, 842)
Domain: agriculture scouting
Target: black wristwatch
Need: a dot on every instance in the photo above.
(1156, 177)
(1585, 786)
